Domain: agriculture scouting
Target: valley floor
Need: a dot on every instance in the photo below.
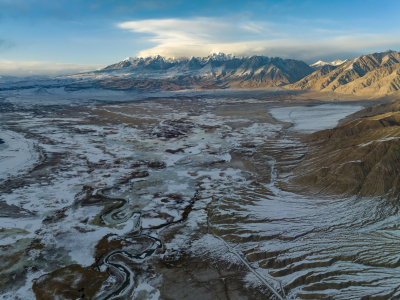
(188, 197)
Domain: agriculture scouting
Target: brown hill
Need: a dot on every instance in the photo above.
(361, 157)
(372, 75)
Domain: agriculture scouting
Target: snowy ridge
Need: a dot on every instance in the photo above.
(319, 64)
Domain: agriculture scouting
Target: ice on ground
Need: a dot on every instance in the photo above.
(313, 118)
(16, 154)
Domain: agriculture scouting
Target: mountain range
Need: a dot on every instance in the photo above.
(371, 76)
(217, 70)
(376, 74)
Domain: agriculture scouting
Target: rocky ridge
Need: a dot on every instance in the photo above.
(373, 75)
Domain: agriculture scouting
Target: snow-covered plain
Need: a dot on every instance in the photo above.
(199, 177)
(79, 151)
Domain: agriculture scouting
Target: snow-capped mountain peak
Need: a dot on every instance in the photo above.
(338, 62)
(219, 56)
(130, 59)
(319, 64)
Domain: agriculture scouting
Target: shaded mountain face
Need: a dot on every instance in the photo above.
(372, 75)
(218, 70)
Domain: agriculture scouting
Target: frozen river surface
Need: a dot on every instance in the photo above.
(314, 117)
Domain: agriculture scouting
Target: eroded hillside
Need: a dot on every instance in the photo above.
(360, 157)
(373, 75)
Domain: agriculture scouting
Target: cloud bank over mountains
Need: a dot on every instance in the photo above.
(177, 37)
(302, 39)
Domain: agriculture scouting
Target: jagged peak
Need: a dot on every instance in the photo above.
(321, 63)
(129, 59)
(217, 56)
(220, 56)
(338, 62)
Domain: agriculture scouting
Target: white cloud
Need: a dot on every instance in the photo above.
(197, 37)
(202, 36)
(28, 68)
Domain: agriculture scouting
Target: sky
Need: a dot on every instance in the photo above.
(67, 36)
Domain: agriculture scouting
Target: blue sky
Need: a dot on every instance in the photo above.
(48, 36)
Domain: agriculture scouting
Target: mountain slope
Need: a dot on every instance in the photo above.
(370, 75)
(360, 157)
